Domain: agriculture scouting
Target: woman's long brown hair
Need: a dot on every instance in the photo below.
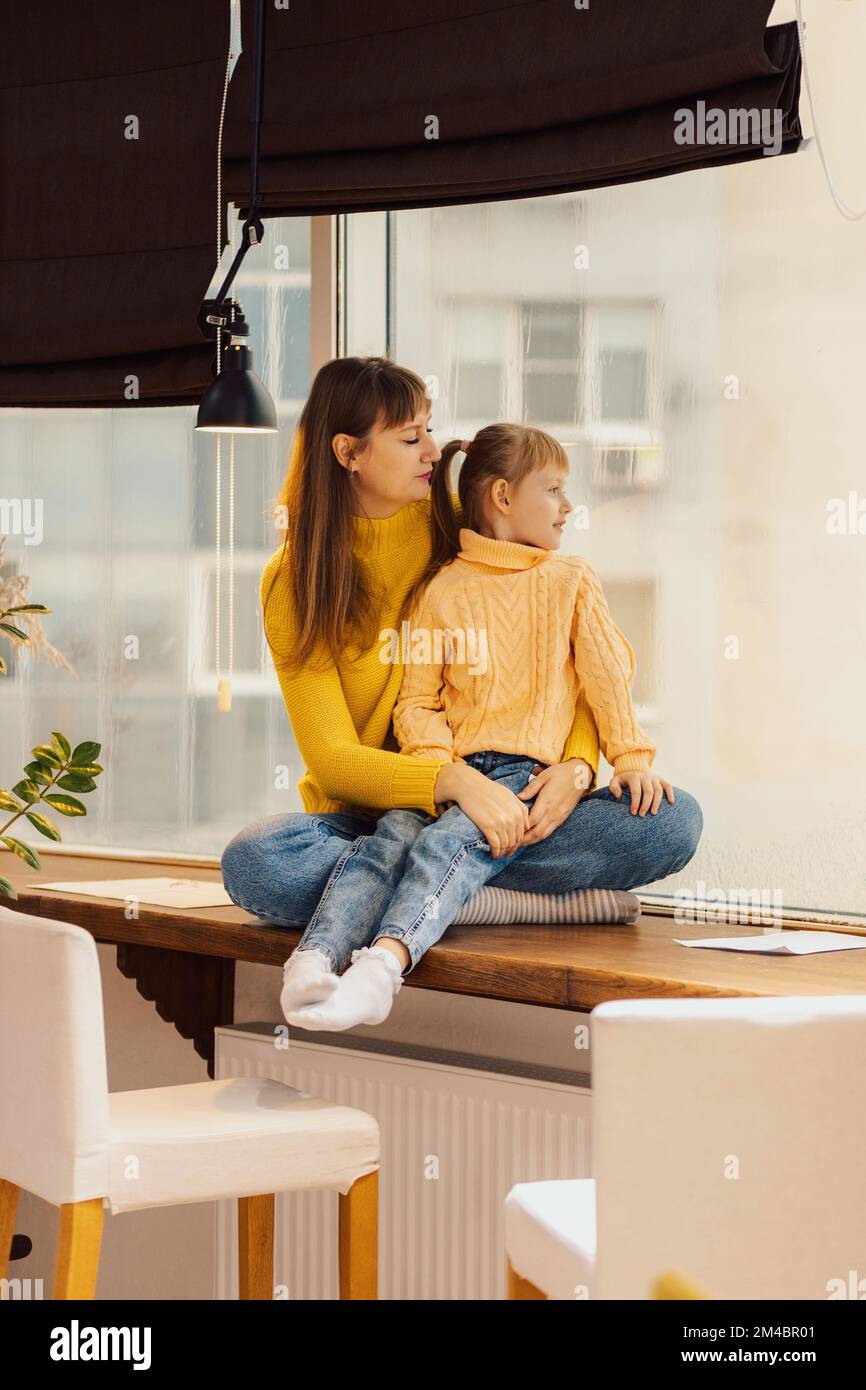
(330, 591)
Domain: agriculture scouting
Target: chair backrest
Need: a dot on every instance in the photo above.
(729, 1140)
(54, 1126)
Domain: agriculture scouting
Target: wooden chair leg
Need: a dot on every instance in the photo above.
(78, 1249)
(673, 1284)
(518, 1287)
(359, 1238)
(256, 1246)
(8, 1211)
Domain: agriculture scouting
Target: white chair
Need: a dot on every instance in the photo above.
(66, 1139)
(728, 1146)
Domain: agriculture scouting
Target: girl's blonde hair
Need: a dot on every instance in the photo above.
(497, 451)
(330, 592)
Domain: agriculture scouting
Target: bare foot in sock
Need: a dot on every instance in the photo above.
(308, 978)
(364, 994)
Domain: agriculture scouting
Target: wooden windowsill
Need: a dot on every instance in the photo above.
(570, 967)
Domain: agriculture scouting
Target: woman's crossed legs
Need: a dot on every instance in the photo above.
(350, 879)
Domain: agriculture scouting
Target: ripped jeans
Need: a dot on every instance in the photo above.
(350, 878)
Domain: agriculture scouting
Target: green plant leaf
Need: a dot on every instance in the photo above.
(74, 782)
(8, 802)
(86, 770)
(23, 851)
(43, 824)
(85, 753)
(46, 754)
(7, 889)
(29, 608)
(61, 746)
(40, 773)
(28, 791)
(15, 632)
(66, 805)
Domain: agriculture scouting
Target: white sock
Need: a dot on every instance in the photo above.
(308, 977)
(364, 993)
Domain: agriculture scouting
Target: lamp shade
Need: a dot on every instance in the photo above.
(237, 401)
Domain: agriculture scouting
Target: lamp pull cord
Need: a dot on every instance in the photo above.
(224, 686)
(846, 211)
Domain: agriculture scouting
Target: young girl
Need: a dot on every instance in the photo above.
(502, 641)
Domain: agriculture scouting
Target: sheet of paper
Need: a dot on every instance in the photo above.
(160, 892)
(784, 943)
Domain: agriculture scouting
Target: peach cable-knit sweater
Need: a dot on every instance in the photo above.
(529, 631)
(341, 714)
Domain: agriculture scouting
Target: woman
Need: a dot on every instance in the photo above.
(360, 542)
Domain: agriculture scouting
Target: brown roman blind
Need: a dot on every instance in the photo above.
(403, 103)
(108, 243)
(108, 246)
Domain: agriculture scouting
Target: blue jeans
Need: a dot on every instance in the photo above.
(350, 878)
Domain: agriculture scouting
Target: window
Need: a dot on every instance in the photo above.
(703, 387)
(695, 343)
(481, 346)
(127, 565)
(623, 344)
(552, 346)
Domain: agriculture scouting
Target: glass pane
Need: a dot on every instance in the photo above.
(707, 393)
(625, 345)
(481, 334)
(126, 561)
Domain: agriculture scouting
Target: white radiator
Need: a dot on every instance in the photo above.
(457, 1132)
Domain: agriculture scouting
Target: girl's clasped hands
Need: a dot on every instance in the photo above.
(555, 791)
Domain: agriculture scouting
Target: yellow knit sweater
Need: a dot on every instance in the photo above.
(341, 714)
(498, 649)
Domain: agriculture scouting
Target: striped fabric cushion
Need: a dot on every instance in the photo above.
(508, 905)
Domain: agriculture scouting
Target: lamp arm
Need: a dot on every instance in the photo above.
(253, 230)
(252, 235)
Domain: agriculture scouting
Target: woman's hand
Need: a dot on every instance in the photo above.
(496, 810)
(645, 789)
(557, 790)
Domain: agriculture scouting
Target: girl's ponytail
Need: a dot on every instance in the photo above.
(447, 527)
(446, 524)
